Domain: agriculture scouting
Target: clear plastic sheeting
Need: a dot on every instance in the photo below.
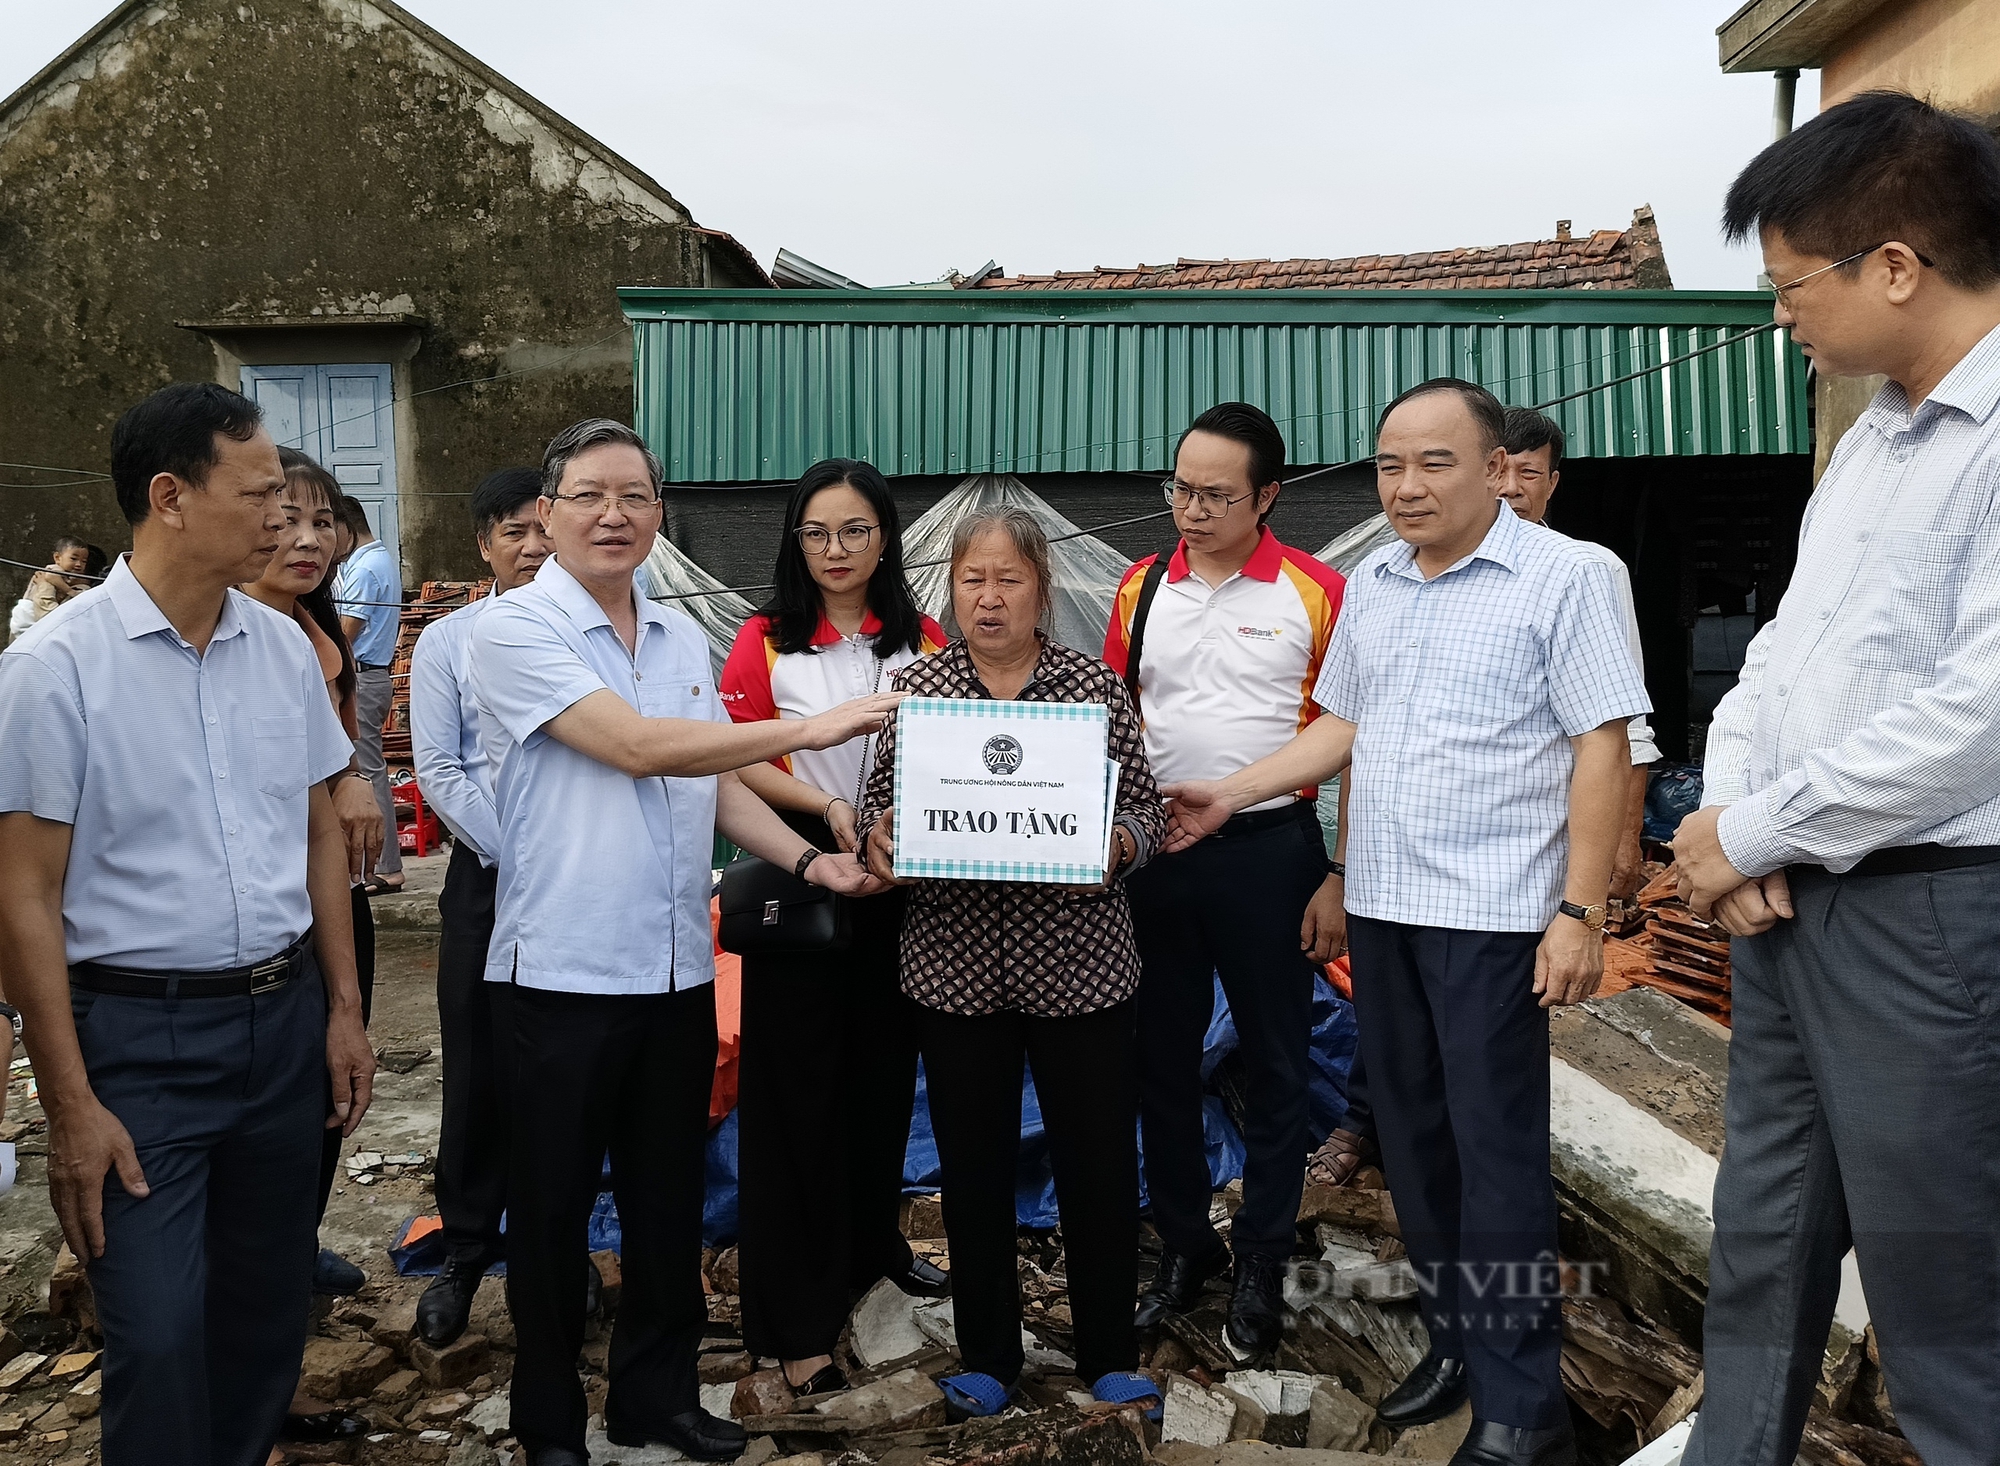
(1086, 570)
(672, 579)
(1345, 551)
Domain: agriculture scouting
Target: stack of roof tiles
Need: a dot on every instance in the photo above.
(1607, 259)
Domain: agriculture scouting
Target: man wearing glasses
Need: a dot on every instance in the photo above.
(1221, 645)
(610, 756)
(1851, 835)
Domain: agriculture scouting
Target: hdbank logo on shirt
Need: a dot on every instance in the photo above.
(1260, 633)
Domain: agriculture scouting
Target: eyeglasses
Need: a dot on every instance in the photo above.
(1212, 501)
(1782, 293)
(853, 538)
(594, 501)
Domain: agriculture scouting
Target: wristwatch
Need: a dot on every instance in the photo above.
(1590, 916)
(812, 853)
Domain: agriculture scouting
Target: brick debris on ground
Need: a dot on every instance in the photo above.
(1354, 1331)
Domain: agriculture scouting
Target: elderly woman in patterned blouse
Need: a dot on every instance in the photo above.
(1004, 970)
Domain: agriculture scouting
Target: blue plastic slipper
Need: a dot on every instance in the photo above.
(1128, 1389)
(973, 1396)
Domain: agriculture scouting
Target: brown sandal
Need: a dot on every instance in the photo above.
(1335, 1162)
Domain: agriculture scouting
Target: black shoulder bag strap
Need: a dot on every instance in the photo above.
(1136, 641)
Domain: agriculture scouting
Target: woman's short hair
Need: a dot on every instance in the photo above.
(1030, 541)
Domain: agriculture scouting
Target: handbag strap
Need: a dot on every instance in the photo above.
(1148, 588)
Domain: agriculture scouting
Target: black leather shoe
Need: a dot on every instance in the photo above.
(923, 1279)
(446, 1304)
(1257, 1308)
(1177, 1285)
(335, 1276)
(322, 1427)
(556, 1456)
(1487, 1444)
(1430, 1392)
(826, 1381)
(693, 1433)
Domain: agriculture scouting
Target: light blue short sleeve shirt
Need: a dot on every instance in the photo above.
(1465, 690)
(369, 588)
(604, 879)
(184, 777)
(444, 733)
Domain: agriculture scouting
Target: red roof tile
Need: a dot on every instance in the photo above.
(1608, 259)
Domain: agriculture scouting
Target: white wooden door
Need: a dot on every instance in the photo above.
(341, 413)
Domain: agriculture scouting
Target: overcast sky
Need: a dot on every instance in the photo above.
(892, 140)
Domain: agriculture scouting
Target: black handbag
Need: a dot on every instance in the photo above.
(767, 910)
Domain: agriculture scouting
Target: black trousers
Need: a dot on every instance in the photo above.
(364, 969)
(205, 1284)
(828, 1073)
(632, 1075)
(1084, 1079)
(1230, 905)
(1863, 1112)
(1360, 1117)
(1458, 1061)
(475, 1041)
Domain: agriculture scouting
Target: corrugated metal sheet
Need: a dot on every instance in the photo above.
(741, 386)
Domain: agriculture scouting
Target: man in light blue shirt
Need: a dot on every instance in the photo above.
(175, 930)
(611, 756)
(471, 1170)
(369, 593)
(1480, 676)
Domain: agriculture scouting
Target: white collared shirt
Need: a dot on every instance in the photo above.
(759, 683)
(444, 733)
(604, 879)
(1227, 671)
(1867, 714)
(183, 775)
(1466, 689)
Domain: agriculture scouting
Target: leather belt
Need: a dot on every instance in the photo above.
(235, 982)
(1299, 811)
(1905, 860)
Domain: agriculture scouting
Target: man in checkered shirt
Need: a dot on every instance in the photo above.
(1480, 675)
(1851, 839)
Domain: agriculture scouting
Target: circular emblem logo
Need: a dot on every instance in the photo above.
(1002, 754)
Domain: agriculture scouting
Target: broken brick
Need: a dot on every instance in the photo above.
(762, 1393)
(463, 1359)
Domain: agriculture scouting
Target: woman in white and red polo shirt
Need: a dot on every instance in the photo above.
(829, 1044)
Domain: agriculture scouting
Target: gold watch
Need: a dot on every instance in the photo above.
(1590, 916)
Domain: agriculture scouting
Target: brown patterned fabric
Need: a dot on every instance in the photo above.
(975, 947)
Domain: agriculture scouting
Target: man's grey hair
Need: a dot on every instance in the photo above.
(1029, 539)
(593, 432)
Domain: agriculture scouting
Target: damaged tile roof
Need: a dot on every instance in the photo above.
(1607, 259)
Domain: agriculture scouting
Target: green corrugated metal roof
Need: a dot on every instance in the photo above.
(747, 385)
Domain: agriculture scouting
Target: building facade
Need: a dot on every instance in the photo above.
(409, 261)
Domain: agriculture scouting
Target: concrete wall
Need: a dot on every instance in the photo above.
(323, 161)
(1945, 50)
